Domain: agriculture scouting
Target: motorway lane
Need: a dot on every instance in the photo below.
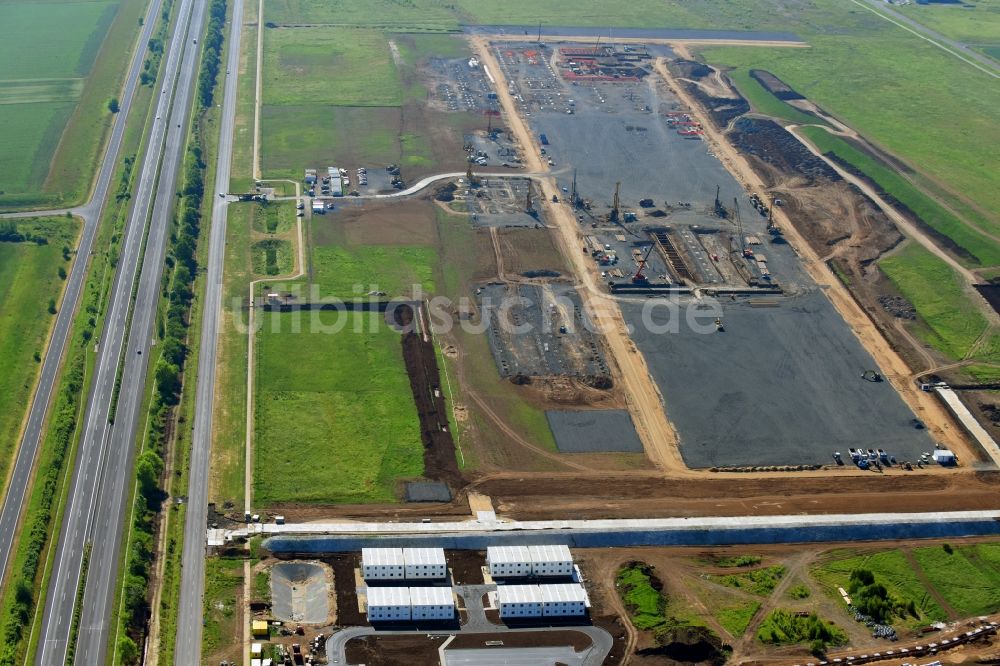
(189, 617)
(91, 213)
(93, 512)
(118, 479)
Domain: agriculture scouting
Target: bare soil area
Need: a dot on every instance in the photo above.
(382, 224)
(403, 650)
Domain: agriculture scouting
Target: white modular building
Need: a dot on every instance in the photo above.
(425, 563)
(519, 601)
(382, 564)
(508, 561)
(388, 604)
(550, 560)
(431, 603)
(563, 599)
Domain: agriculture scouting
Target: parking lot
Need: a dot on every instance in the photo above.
(458, 85)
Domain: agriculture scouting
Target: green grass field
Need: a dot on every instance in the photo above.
(59, 64)
(415, 15)
(968, 577)
(228, 443)
(333, 66)
(323, 135)
(28, 280)
(735, 619)
(273, 257)
(951, 321)
(764, 102)
(335, 419)
(782, 627)
(891, 568)
(758, 581)
(223, 587)
(275, 217)
(344, 272)
(646, 606)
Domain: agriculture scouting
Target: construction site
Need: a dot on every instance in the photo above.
(775, 365)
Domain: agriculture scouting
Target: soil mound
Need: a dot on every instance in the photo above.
(686, 645)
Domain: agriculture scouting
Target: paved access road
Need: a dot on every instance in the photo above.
(91, 212)
(102, 477)
(191, 612)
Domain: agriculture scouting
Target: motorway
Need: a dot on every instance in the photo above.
(189, 617)
(10, 515)
(102, 473)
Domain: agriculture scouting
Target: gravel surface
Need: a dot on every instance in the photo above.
(781, 386)
(594, 431)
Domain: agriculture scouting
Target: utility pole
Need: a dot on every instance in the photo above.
(539, 32)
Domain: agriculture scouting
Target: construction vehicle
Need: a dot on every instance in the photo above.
(744, 248)
(616, 212)
(719, 326)
(640, 276)
(720, 210)
(871, 376)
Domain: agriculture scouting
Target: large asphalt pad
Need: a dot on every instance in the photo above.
(781, 386)
(594, 431)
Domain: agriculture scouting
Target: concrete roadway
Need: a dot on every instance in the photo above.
(91, 212)
(191, 612)
(98, 496)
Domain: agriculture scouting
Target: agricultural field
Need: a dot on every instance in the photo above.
(335, 419)
(60, 62)
(30, 286)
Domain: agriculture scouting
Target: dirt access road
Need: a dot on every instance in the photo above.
(645, 403)
(926, 406)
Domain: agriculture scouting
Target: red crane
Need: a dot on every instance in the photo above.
(640, 277)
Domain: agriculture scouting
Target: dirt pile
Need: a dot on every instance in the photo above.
(685, 645)
(771, 143)
(425, 382)
(722, 110)
(774, 85)
(898, 307)
(691, 69)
